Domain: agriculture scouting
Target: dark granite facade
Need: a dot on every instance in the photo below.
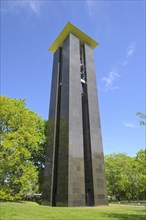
(99, 180)
(51, 128)
(74, 167)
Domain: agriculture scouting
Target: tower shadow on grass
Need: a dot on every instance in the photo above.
(126, 216)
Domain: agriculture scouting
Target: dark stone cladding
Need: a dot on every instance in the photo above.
(74, 166)
(100, 190)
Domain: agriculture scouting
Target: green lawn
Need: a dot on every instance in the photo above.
(33, 211)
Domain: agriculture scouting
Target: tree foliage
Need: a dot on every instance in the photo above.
(22, 138)
(143, 117)
(126, 175)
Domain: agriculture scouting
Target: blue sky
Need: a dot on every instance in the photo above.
(28, 28)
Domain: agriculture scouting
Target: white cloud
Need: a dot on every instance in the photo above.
(33, 6)
(110, 79)
(130, 51)
(129, 125)
(100, 8)
(90, 6)
(113, 75)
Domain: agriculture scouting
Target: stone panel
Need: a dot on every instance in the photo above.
(95, 128)
(62, 180)
(76, 182)
(50, 137)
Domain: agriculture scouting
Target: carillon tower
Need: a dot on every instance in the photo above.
(74, 167)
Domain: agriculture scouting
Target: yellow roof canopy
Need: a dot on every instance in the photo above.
(70, 28)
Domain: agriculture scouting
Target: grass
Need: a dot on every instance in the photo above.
(132, 202)
(33, 211)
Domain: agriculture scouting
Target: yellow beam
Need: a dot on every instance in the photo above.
(70, 28)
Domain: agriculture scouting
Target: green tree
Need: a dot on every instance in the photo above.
(140, 160)
(143, 117)
(116, 165)
(45, 153)
(22, 138)
(126, 175)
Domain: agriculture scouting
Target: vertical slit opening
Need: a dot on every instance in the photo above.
(89, 191)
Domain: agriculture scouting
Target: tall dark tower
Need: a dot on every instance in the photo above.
(74, 167)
